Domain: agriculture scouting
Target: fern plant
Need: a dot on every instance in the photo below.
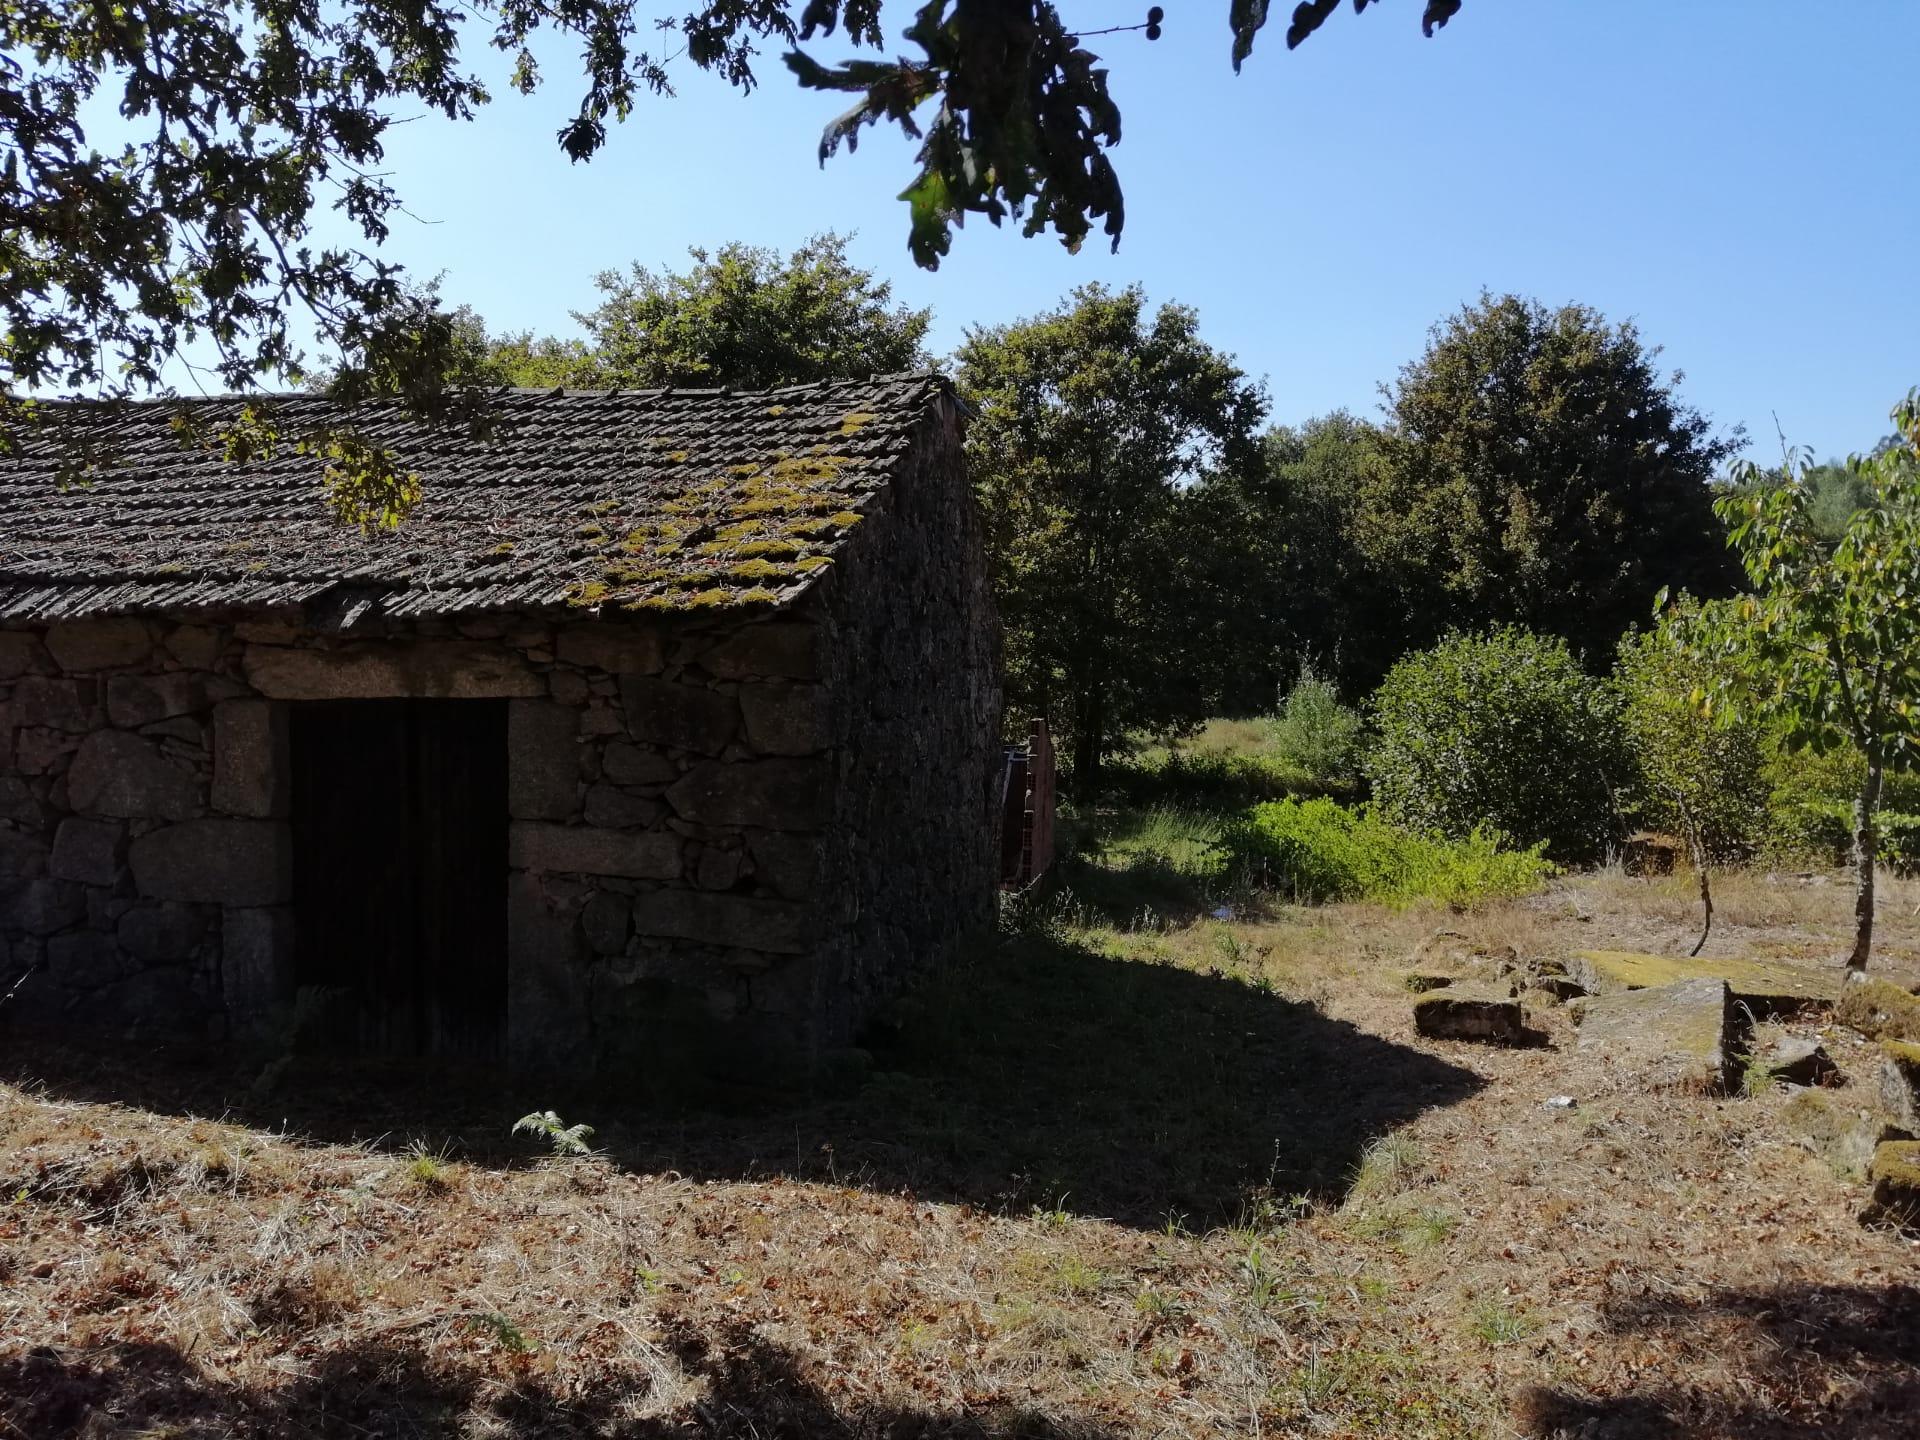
(566, 1140)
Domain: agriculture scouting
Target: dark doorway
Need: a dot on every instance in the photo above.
(400, 875)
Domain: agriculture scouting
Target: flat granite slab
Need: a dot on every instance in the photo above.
(1673, 1036)
(1764, 987)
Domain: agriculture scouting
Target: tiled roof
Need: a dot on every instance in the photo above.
(626, 499)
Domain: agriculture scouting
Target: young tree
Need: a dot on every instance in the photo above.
(1538, 470)
(1829, 639)
(1093, 421)
(740, 316)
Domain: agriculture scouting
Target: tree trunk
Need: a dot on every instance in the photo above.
(1865, 808)
(1697, 852)
(1089, 742)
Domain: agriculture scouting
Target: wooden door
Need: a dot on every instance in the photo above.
(400, 864)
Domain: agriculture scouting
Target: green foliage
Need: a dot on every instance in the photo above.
(1538, 470)
(1089, 419)
(1314, 732)
(566, 1140)
(1319, 850)
(1692, 776)
(1827, 644)
(1500, 732)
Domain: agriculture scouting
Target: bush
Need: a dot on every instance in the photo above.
(1319, 850)
(1314, 732)
(1809, 816)
(1681, 760)
(1501, 732)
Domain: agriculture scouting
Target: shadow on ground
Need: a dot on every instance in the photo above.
(1045, 1074)
(753, 1387)
(1819, 1360)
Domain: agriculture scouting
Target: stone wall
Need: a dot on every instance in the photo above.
(728, 839)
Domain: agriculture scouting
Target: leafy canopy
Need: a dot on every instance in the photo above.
(741, 317)
(1093, 421)
(1538, 470)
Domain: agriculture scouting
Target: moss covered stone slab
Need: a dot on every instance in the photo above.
(1896, 1184)
(1764, 987)
(1900, 1082)
(1671, 1036)
(1836, 1128)
(1491, 1017)
(1880, 1011)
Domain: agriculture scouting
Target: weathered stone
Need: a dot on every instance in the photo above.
(775, 794)
(57, 704)
(1673, 1036)
(251, 767)
(83, 961)
(1895, 1175)
(685, 717)
(1879, 1010)
(543, 761)
(267, 632)
(1458, 1014)
(149, 1002)
(613, 647)
(604, 922)
(446, 670)
(716, 869)
(195, 646)
(99, 644)
(626, 764)
(22, 858)
(157, 933)
(786, 719)
(18, 802)
(1900, 1083)
(782, 649)
(731, 920)
(184, 728)
(87, 850)
(1421, 981)
(579, 850)
(43, 907)
(788, 865)
(600, 718)
(256, 963)
(547, 996)
(226, 862)
(124, 775)
(1839, 1131)
(19, 653)
(41, 752)
(1764, 987)
(616, 809)
(1799, 1060)
(568, 687)
(136, 700)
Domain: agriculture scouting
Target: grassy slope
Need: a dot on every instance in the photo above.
(1138, 1172)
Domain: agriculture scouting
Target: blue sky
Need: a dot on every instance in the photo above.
(1728, 173)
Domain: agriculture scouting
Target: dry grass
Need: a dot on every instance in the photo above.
(1182, 1178)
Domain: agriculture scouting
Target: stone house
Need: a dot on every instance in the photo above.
(663, 730)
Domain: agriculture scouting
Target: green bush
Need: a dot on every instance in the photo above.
(1319, 850)
(1502, 732)
(1682, 761)
(1810, 809)
(1314, 732)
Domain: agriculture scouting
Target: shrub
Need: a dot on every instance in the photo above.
(1314, 732)
(1319, 850)
(1682, 761)
(1504, 732)
(1809, 815)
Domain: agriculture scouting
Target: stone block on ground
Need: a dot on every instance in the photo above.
(1672, 1036)
(1456, 1013)
(1421, 981)
(1895, 1176)
(1764, 987)
(1880, 1010)
(1839, 1130)
(1798, 1060)
(1900, 1082)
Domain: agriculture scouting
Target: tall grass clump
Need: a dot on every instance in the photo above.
(1317, 850)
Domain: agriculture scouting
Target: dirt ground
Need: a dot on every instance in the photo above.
(1149, 1175)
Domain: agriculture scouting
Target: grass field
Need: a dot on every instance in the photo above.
(1138, 1171)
